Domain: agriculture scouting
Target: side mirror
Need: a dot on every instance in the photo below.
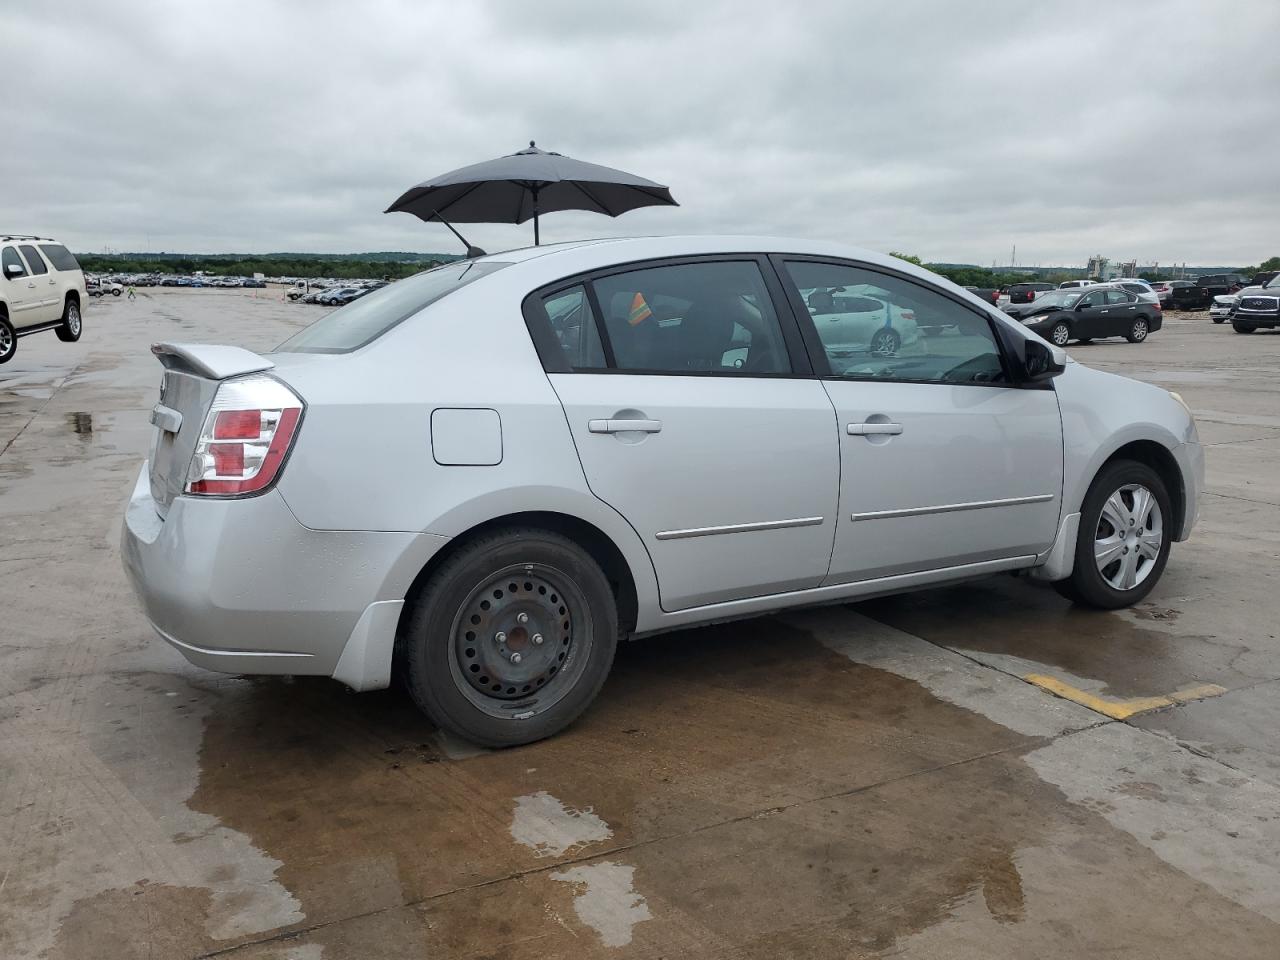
(1040, 361)
(13, 270)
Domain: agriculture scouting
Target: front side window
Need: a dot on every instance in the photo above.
(880, 327)
(1096, 299)
(34, 260)
(573, 322)
(713, 317)
(9, 259)
(364, 320)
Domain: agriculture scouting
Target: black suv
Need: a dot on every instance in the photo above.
(1257, 307)
(1201, 295)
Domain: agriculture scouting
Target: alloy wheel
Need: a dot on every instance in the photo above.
(521, 639)
(1139, 329)
(6, 341)
(1130, 534)
(73, 319)
(1060, 335)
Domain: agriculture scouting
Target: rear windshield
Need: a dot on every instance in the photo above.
(59, 256)
(363, 321)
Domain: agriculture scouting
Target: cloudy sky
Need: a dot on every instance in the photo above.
(950, 130)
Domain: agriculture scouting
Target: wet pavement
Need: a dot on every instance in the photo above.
(865, 780)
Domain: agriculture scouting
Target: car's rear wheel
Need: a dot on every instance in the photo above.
(511, 639)
(71, 327)
(1123, 540)
(1218, 319)
(885, 342)
(1243, 327)
(1060, 334)
(1138, 331)
(8, 340)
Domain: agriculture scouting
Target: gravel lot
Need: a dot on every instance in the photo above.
(865, 780)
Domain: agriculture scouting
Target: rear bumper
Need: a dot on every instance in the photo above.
(240, 586)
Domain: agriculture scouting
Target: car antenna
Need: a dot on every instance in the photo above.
(472, 252)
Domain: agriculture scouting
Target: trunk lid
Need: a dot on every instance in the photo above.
(192, 373)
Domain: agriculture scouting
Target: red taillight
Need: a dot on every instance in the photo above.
(246, 437)
(237, 425)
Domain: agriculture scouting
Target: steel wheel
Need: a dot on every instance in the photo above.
(520, 641)
(73, 319)
(1130, 534)
(1060, 334)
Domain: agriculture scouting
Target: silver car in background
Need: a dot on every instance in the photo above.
(482, 477)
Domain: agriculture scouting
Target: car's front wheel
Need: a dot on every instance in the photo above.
(1123, 542)
(1138, 331)
(1218, 319)
(1243, 327)
(885, 342)
(1060, 334)
(69, 331)
(511, 639)
(8, 340)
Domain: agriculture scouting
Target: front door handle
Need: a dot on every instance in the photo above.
(874, 429)
(624, 426)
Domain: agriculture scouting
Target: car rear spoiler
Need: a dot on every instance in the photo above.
(209, 360)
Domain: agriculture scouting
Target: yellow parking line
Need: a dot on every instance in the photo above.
(1121, 709)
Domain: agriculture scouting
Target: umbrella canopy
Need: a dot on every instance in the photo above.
(526, 184)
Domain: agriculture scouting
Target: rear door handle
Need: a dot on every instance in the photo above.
(624, 426)
(874, 429)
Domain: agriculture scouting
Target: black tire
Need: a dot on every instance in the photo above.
(1085, 340)
(885, 342)
(1138, 330)
(72, 322)
(1087, 586)
(1059, 334)
(8, 340)
(1218, 319)
(115, 293)
(1242, 327)
(468, 681)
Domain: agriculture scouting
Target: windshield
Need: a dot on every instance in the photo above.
(364, 320)
(1061, 299)
(1273, 283)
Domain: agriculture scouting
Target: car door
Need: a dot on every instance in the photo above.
(697, 418)
(21, 292)
(943, 461)
(46, 285)
(1091, 315)
(1121, 309)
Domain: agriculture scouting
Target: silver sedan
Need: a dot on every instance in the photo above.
(480, 478)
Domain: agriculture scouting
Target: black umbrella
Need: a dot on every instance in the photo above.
(522, 186)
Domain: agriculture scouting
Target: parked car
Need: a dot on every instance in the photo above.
(448, 481)
(343, 297)
(1221, 308)
(853, 322)
(1258, 307)
(1199, 296)
(41, 288)
(1026, 292)
(1091, 313)
(1140, 287)
(1263, 278)
(102, 288)
(251, 282)
(990, 294)
(1070, 284)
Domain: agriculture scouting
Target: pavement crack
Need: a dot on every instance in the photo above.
(40, 409)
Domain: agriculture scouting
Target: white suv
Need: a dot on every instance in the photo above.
(41, 288)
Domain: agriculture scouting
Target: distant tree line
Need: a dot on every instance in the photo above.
(340, 268)
(971, 276)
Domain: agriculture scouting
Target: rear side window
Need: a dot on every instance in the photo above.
(362, 321)
(1118, 296)
(34, 260)
(8, 259)
(713, 317)
(59, 256)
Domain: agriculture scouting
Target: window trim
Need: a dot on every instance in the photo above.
(548, 347)
(818, 352)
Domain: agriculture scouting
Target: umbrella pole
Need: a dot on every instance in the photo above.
(535, 216)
